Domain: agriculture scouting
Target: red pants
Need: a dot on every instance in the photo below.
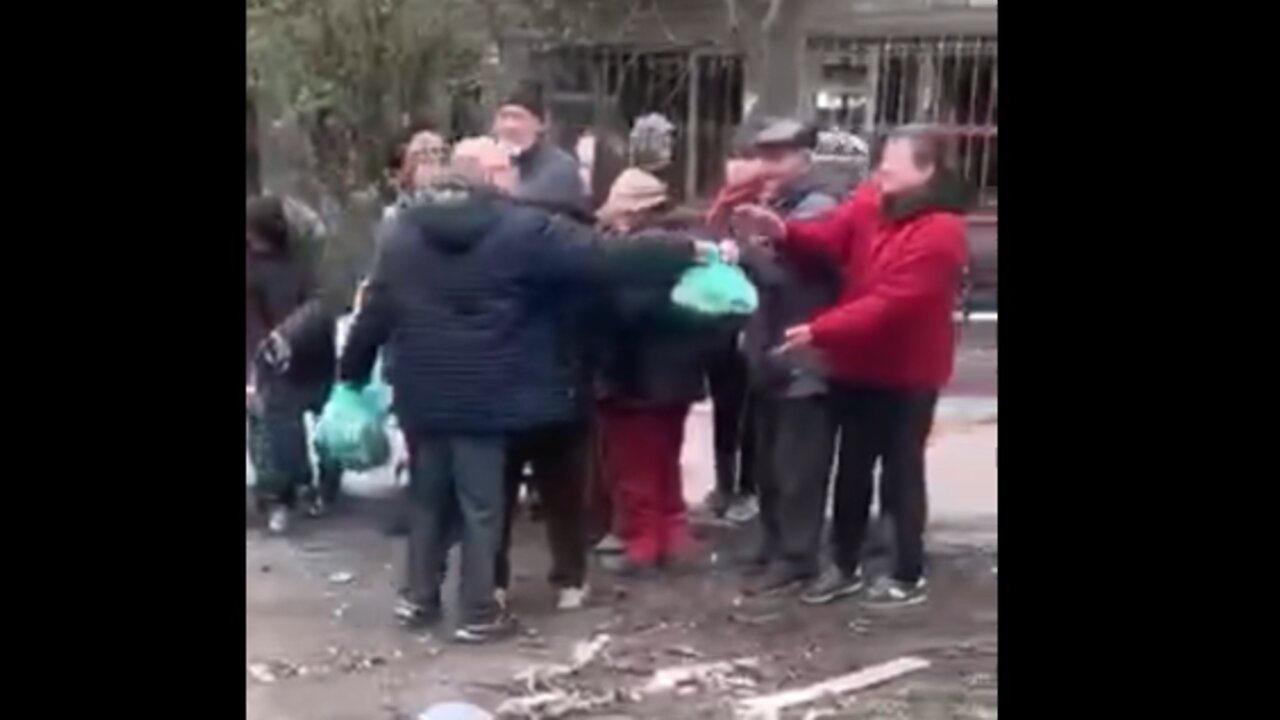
(642, 464)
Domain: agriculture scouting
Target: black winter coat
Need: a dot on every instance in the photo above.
(467, 296)
(282, 297)
(651, 352)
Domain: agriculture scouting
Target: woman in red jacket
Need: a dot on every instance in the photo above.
(889, 345)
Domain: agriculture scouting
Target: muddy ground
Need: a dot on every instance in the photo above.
(321, 644)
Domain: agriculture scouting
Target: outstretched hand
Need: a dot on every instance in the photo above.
(704, 252)
(756, 220)
(797, 336)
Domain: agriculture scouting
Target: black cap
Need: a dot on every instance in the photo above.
(786, 132)
(528, 95)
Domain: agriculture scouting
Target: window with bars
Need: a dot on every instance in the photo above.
(872, 85)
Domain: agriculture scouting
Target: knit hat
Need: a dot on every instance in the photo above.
(633, 191)
(526, 94)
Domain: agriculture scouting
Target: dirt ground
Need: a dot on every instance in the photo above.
(321, 644)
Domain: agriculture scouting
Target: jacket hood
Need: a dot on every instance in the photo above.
(946, 192)
(454, 216)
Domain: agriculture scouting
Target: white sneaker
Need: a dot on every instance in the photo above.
(572, 598)
(278, 520)
(610, 545)
(743, 510)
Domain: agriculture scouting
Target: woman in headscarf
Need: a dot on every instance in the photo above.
(652, 369)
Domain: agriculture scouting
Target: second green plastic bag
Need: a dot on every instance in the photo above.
(352, 429)
(716, 289)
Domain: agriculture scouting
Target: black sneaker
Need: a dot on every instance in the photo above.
(888, 593)
(416, 616)
(778, 581)
(500, 628)
(831, 586)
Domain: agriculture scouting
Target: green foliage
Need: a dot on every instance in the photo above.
(351, 71)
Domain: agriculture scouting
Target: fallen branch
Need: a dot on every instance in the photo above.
(769, 707)
(667, 679)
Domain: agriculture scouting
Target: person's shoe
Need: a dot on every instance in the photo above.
(500, 597)
(572, 598)
(500, 628)
(778, 581)
(743, 510)
(716, 503)
(888, 593)
(278, 520)
(610, 545)
(415, 616)
(317, 507)
(831, 586)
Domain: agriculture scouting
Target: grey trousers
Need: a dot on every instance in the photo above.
(795, 447)
(456, 478)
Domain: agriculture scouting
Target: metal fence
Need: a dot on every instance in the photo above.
(604, 88)
(871, 85)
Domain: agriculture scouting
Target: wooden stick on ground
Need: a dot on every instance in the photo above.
(767, 707)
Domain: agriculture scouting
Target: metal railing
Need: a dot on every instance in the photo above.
(871, 85)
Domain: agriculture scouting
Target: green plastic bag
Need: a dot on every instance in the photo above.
(716, 289)
(351, 430)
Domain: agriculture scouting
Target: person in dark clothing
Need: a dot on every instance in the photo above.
(547, 175)
(653, 370)
(888, 345)
(289, 353)
(462, 296)
(790, 418)
(734, 494)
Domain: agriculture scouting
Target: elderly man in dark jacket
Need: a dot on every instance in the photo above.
(547, 175)
(462, 296)
(794, 432)
(289, 355)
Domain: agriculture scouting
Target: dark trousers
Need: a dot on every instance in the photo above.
(733, 441)
(278, 444)
(892, 427)
(642, 459)
(795, 442)
(558, 456)
(455, 477)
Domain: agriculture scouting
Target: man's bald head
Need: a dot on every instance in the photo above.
(482, 160)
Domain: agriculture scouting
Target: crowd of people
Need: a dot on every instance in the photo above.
(530, 342)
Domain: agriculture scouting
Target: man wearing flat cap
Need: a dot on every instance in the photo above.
(794, 434)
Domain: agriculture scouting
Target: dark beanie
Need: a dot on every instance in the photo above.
(528, 95)
(264, 217)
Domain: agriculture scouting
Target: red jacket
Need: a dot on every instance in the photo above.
(902, 268)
